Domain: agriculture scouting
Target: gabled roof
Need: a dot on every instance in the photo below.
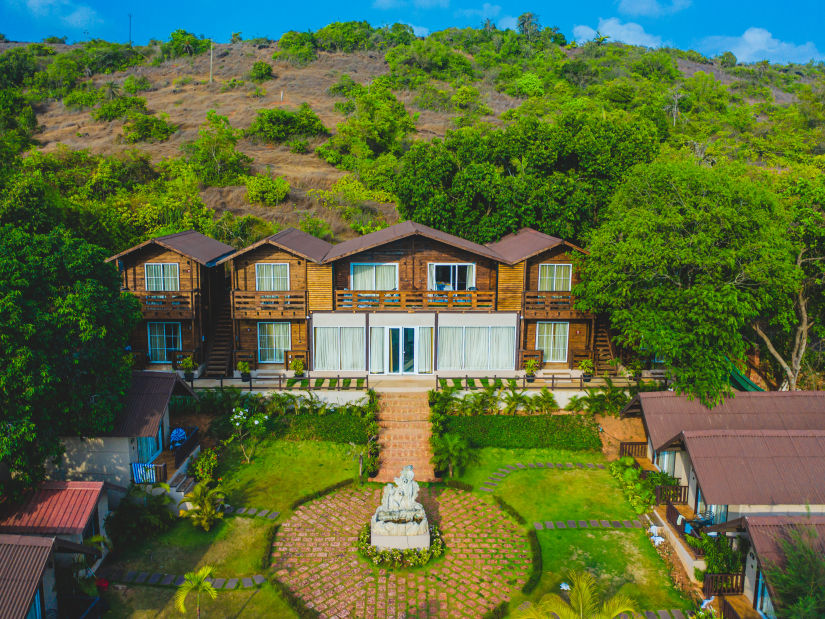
(759, 467)
(402, 231)
(145, 402)
(527, 243)
(665, 414)
(54, 508)
(291, 240)
(23, 560)
(199, 247)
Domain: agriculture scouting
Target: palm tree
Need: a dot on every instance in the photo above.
(583, 604)
(205, 501)
(451, 451)
(112, 90)
(195, 582)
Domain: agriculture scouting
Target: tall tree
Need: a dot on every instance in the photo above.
(799, 581)
(64, 326)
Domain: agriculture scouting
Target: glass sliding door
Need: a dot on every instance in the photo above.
(408, 350)
(401, 350)
(273, 341)
(394, 350)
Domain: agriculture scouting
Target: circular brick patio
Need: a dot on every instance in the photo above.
(487, 558)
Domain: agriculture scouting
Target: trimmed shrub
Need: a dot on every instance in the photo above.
(261, 71)
(396, 558)
(266, 190)
(338, 428)
(574, 432)
(458, 485)
(536, 562)
(505, 506)
(145, 128)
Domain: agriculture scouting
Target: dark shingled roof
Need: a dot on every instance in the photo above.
(402, 231)
(291, 240)
(22, 562)
(54, 508)
(199, 247)
(146, 400)
(525, 244)
(665, 414)
(759, 467)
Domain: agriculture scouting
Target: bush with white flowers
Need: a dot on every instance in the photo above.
(247, 424)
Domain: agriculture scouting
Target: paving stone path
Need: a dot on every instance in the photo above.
(487, 558)
(496, 478)
(174, 580)
(230, 510)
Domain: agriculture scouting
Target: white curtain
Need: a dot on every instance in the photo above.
(377, 350)
(273, 341)
(425, 350)
(386, 276)
(363, 277)
(326, 348)
(431, 276)
(551, 337)
(476, 347)
(450, 348)
(271, 276)
(555, 277)
(162, 276)
(502, 348)
(471, 276)
(353, 353)
(374, 276)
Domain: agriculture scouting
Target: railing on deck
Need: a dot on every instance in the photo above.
(551, 382)
(371, 300)
(634, 449)
(726, 610)
(539, 303)
(672, 515)
(184, 449)
(723, 584)
(254, 304)
(177, 304)
(678, 495)
(143, 473)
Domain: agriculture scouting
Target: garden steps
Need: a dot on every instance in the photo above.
(404, 435)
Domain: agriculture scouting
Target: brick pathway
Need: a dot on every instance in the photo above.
(404, 436)
(487, 559)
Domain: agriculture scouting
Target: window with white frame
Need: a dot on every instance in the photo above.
(555, 277)
(551, 339)
(476, 348)
(271, 276)
(449, 276)
(340, 348)
(371, 276)
(164, 340)
(274, 339)
(162, 276)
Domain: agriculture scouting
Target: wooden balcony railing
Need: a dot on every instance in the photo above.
(723, 584)
(269, 304)
(636, 449)
(678, 495)
(402, 300)
(679, 523)
(545, 304)
(143, 473)
(183, 450)
(181, 304)
(726, 609)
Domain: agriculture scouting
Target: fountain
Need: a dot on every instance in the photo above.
(400, 522)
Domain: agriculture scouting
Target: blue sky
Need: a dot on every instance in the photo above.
(759, 29)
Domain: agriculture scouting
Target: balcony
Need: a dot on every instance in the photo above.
(269, 304)
(167, 305)
(546, 304)
(408, 300)
(723, 584)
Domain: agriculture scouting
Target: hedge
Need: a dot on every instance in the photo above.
(557, 431)
(337, 428)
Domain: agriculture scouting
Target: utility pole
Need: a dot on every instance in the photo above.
(211, 46)
(130, 30)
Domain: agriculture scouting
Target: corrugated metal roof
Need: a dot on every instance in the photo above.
(402, 231)
(199, 247)
(292, 240)
(22, 563)
(54, 508)
(525, 244)
(766, 532)
(666, 414)
(147, 398)
(759, 467)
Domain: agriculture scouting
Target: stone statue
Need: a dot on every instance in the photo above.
(400, 522)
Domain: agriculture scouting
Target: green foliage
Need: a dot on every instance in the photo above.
(296, 47)
(396, 558)
(266, 190)
(120, 107)
(528, 85)
(411, 64)
(350, 198)
(299, 147)
(799, 582)
(640, 493)
(204, 464)
(316, 227)
(135, 84)
(584, 600)
(559, 431)
(213, 156)
(606, 400)
(204, 505)
(145, 128)
(183, 43)
(261, 71)
(451, 452)
(275, 125)
(195, 582)
(721, 557)
(84, 97)
(143, 513)
(536, 562)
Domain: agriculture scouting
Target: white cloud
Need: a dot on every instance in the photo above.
(758, 44)
(419, 31)
(431, 4)
(630, 33)
(652, 8)
(385, 5)
(69, 13)
(508, 22)
(487, 11)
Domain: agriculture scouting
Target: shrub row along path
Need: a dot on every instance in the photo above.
(487, 558)
(404, 436)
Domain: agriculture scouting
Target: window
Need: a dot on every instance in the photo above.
(555, 277)
(340, 348)
(273, 341)
(451, 276)
(162, 276)
(476, 348)
(551, 339)
(666, 461)
(93, 526)
(270, 276)
(164, 340)
(373, 276)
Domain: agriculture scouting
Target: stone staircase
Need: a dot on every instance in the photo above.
(220, 353)
(404, 436)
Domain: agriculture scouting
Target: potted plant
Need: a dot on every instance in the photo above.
(245, 370)
(189, 366)
(586, 368)
(297, 366)
(531, 366)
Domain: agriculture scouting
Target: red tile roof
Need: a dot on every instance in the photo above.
(22, 562)
(54, 508)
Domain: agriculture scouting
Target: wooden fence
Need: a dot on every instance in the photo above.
(723, 584)
(634, 449)
(678, 495)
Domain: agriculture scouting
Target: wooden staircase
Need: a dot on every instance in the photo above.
(220, 353)
(604, 349)
(404, 436)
